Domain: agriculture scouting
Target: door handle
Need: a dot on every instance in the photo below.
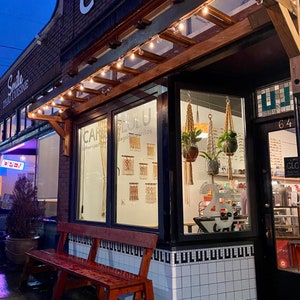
(267, 205)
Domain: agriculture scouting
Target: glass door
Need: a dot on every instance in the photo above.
(278, 210)
(285, 190)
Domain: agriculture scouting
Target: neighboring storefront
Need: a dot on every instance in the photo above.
(131, 89)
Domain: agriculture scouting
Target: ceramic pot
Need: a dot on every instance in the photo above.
(16, 248)
(190, 154)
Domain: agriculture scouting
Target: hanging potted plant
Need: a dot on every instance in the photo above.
(210, 154)
(227, 142)
(23, 221)
(189, 140)
(213, 163)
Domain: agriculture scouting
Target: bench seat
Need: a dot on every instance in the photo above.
(73, 271)
(110, 277)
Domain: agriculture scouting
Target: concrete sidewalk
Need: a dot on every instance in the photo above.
(38, 288)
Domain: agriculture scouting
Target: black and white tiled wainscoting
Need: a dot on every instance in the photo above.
(223, 273)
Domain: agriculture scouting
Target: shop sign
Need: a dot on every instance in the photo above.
(16, 87)
(12, 164)
(84, 9)
(291, 167)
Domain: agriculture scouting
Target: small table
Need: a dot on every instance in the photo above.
(190, 226)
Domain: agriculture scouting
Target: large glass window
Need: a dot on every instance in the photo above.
(8, 128)
(92, 177)
(213, 163)
(13, 124)
(137, 173)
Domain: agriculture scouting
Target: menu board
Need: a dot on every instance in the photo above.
(291, 167)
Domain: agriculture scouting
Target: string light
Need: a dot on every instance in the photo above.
(205, 10)
(120, 63)
(81, 87)
(132, 56)
(181, 27)
(151, 45)
(70, 92)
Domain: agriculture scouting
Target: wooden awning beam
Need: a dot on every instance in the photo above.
(215, 16)
(149, 56)
(177, 38)
(280, 14)
(62, 127)
(125, 70)
(225, 37)
(88, 90)
(105, 81)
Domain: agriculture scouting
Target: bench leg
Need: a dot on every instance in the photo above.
(26, 272)
(60, 285)
(100, 292)
(149, 295)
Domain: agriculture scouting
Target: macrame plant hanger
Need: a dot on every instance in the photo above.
(189, 127)
(228, 126)
(210, 147)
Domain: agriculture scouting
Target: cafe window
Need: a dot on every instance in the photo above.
(13, 124)
(92, 163)
(1, 131)
(137, 169)
(8, 128)
(213, 163)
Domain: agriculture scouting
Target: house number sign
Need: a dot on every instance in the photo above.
(285, 123)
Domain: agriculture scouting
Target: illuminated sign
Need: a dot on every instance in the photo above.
(12, 164)
(84, 9)
(16, 87)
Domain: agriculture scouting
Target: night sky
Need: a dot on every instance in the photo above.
(20, 22)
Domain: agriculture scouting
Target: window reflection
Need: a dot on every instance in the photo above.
(213, 172)
(136, 154)
(92, 166)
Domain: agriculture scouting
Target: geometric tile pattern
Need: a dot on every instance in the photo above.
(274, 99)
(221, 273)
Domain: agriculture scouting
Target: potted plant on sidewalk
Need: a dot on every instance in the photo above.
(23, 221)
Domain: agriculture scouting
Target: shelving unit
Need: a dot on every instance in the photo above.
(286, 221)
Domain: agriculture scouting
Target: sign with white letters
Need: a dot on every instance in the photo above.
(12, 164)
(16, 87)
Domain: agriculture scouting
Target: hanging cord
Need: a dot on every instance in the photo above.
(189, 122)
(210, 148)
(228, 126)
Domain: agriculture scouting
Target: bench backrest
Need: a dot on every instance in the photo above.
(147, 241)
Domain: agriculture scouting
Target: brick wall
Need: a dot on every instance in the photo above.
(43, 63)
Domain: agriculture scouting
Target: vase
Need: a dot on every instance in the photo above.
(190, 154)
(16, 248)
(213, 167)
(229, 147)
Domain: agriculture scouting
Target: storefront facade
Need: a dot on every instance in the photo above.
(130, 88)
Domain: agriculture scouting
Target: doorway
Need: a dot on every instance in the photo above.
(278, 210)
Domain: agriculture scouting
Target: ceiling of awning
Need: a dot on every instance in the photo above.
(207, 23)
(210, 27)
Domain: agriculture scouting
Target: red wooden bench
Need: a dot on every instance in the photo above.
(110, 282)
